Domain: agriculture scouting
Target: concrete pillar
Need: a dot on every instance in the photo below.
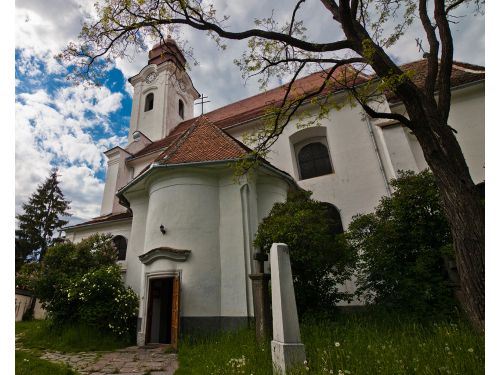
(287, 349)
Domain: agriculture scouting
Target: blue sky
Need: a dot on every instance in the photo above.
(68, 127)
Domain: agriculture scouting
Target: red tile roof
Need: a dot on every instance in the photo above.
(255, 106)
(202, 141)
(461, 73)
(104, 219)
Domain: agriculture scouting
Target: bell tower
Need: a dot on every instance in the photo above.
(163, 93)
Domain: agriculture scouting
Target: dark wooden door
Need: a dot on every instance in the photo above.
(176, 303)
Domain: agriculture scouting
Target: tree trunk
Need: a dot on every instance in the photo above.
(463, 208)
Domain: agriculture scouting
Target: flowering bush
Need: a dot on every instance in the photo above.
(103, 301)
(81, 283)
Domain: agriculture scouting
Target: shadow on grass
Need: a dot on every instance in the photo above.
(44, 335)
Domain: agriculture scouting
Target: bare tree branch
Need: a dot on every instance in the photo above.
(453, 5)
(446, 63)
(432, 55)
(297, 6)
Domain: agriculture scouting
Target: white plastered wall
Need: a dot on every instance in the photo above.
(219, 233)
(117, 176)
(157, 123)
(466, 117)
(119, 228)
(357, 183)
(187, 205)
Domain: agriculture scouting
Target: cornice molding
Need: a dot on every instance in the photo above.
(164, 253)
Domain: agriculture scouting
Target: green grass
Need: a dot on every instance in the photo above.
(29, 364)
(228, 353)
(43, 335)
(351, 344)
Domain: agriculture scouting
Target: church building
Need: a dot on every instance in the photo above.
(183, 224)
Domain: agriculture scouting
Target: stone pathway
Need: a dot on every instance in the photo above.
(132, 360)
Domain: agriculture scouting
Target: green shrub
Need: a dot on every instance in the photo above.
(63, 263)
(81, 283)
(103, 301)
(320, 260)
(401, 248)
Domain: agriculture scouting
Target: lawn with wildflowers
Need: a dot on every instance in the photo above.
(350, 344)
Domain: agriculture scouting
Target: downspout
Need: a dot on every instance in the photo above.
(379, 158)
(247, 245)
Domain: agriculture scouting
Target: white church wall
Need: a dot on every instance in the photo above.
(138, 165)
(117, 176)
(187, 204)
(399, 150)
(139, 205)
(121, 228)
(467, 118)
(270, 190)
(157, 122)
(416, 150)
(357, 182)
(233, 252)
(148, 122)
(108, 195)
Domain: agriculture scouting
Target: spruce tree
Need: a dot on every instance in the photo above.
(43, 215)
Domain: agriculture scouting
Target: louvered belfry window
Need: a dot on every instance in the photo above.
(314, 160)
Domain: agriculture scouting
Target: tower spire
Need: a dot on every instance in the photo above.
(167, 50)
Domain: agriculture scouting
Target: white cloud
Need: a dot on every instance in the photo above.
(75, 101)
(84, 190)
(51, 130)
(54, 129)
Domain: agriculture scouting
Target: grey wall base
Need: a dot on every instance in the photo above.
(195, 326)
(287, 356)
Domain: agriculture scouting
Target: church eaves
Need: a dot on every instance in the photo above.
(201, 143)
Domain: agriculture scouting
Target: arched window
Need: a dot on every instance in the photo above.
(181, 109)
(314, 160)
(120, 245)
(335, 222)
(148, 105)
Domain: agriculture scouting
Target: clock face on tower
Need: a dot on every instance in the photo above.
(151, 77)
(182, 85)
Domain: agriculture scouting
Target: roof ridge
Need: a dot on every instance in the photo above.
(172, 151)
(283, 86)
(253, 106)
(177, 143)
(227, 135)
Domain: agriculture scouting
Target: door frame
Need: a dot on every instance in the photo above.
(157, 275)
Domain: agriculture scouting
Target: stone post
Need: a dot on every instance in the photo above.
(287, 349)
(261, 300)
